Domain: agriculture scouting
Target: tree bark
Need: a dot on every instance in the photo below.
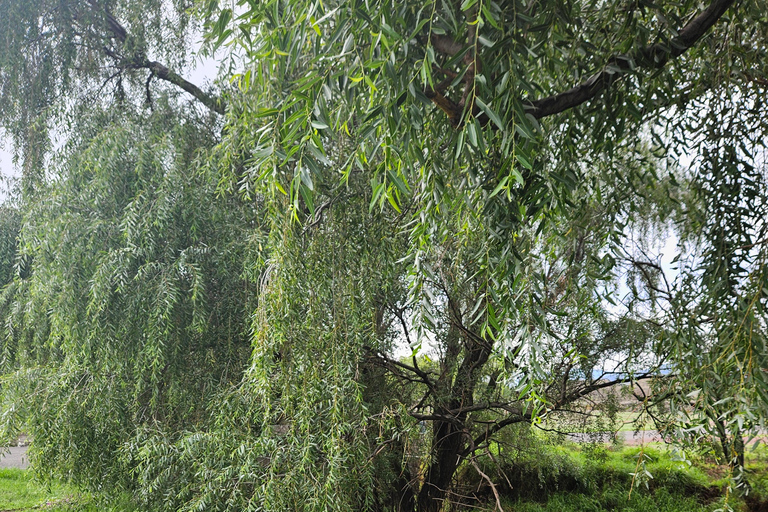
(446, 441)
(449, 437)
(654, 56)
(161, 71)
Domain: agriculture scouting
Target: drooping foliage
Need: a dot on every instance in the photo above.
(719, 299)
(298, 428)
(406, 239)
(127, 311)
(10, 225)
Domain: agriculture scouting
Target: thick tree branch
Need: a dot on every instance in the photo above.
(651, 57)
(654, 56)
(162, 72)
(451, 109)
(445, 45)
(139, 61)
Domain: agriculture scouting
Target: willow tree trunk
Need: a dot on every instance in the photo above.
(447, 445)
(450, 439)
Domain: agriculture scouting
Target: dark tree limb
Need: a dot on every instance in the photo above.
(451, 109)
(147, 89)
(215, 104)
(445, 45)
(159, 70)
(652, 57)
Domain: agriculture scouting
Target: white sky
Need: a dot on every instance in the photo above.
(7, 169)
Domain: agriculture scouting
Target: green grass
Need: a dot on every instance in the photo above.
(20, 492)
(613, 499)
(595, 478)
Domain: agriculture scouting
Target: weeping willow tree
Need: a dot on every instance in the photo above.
(127, 310)
(396, 235)
(519, 148)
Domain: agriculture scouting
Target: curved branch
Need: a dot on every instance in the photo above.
(654, 56)
(161, 71)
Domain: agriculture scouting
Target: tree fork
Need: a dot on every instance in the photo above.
(654, 56)
(161, 71)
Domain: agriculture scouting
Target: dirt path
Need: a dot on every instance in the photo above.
(14, 457)
(629, 438)
(633, 438)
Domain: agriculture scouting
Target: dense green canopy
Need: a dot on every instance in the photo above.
(396, 230)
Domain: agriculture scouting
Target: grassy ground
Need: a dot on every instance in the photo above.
(20, 492)
(619, 482)
(594, 479)
(660, 501)
(540, 477)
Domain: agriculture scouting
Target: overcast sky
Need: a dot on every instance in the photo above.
(5, 160)
(6, 166)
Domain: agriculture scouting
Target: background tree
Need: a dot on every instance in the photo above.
(127, 311)
(58, 57)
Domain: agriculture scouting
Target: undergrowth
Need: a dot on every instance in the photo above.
(540, 474)
(20, 491)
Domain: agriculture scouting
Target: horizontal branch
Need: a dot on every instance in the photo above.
(518, 416)
(436, 417)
